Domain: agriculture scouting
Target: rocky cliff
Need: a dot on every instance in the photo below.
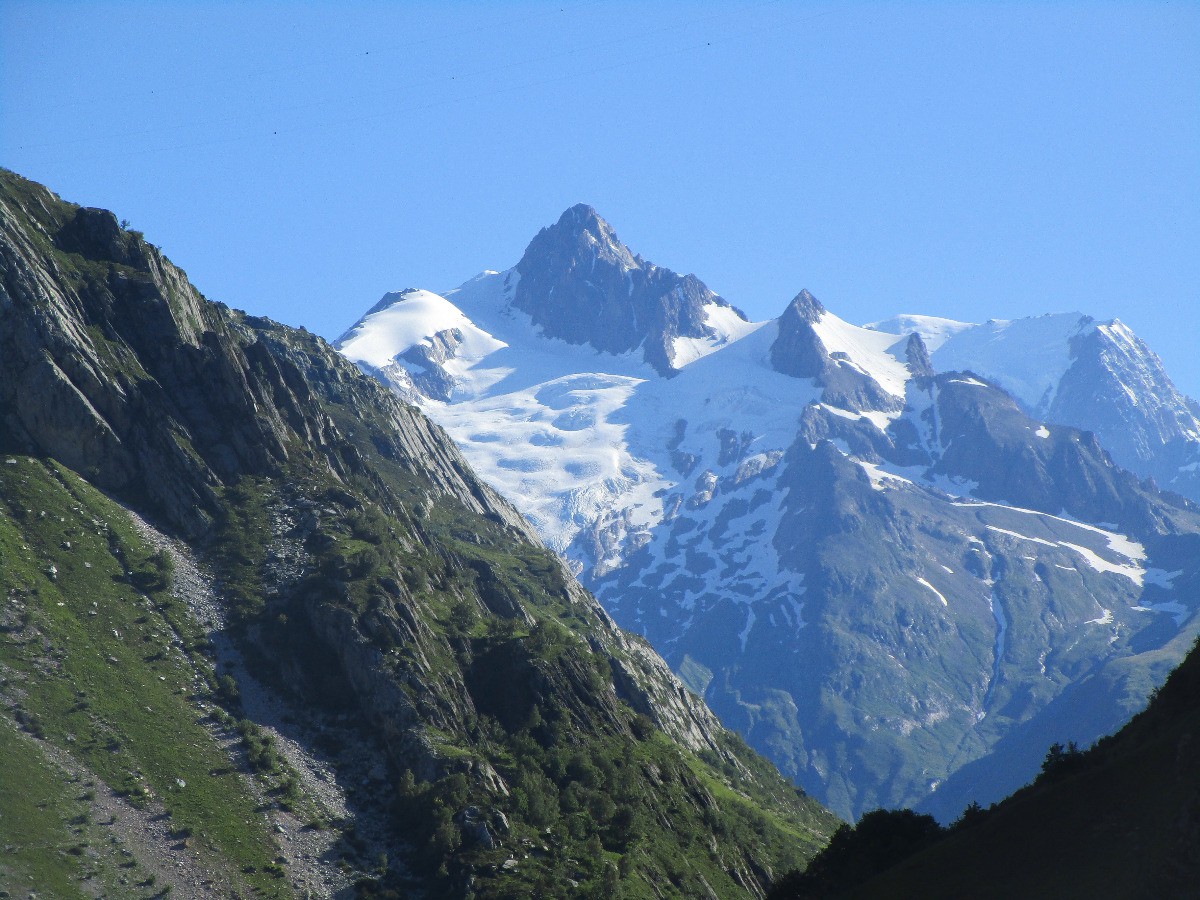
(375, 588)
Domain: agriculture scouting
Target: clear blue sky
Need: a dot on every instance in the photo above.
(961, 159)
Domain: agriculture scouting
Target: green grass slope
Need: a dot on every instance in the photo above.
(103, 668)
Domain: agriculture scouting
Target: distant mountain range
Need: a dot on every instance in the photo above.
(901, 559)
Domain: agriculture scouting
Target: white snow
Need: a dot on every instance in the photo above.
(413, 317)
(576, 438)
(727, 325)
(880, 420)
(936, 592)
(1043, 431)
(877, 354)
(934, 331)
(586, 443)
(1133, 572)
(1023, 537)
(1118, 544)
(1027, 357)
(880, 477)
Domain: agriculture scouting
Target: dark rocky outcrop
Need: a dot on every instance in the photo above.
(583, 286)
(916, 354)
(799, 352)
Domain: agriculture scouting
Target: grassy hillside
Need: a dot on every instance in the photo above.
(102, 667)
(402, 690)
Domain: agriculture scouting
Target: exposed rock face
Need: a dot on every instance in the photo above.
(583, 286)
(364, 564)
(1070, 369)
(1117, 387)
(142, 383)
(917, 356)
(798, 351)
(120, 369)
(435, 381)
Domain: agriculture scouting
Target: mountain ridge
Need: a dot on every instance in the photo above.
(706, 509)
(378, 590)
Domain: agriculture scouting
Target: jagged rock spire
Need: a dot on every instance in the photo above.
(917, 356)
(583, 286)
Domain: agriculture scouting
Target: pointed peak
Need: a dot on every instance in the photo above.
(580, 236)
(916, 354)
(580, 213)
(582, 219)
(804, 307)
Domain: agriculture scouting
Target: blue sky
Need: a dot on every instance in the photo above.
(966, 160)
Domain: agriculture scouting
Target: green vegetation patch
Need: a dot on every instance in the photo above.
(101, 661)
(40, 848)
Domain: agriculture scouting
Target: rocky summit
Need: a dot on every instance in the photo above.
(1070, 369)
(900, 559)
(264, 632)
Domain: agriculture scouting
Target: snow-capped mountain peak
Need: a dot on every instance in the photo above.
(407, 318)
(861, 370)
(802, 513)
(581, 285)
(1070, 369)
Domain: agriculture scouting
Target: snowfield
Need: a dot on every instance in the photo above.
(601, 453)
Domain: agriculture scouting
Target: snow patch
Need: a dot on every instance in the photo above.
(936, 592)
(871, 352)
(1021, 537)
(1133, 573)
(1028, 357)
(880, 477)
(934, 331)
(726, 326)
